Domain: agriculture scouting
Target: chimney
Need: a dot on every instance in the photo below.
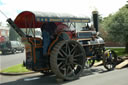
(95, 20)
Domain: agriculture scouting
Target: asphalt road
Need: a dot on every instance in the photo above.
(93, 76)
(11, 59)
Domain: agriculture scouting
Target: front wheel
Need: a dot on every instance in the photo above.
(109, 60)
(67, 59)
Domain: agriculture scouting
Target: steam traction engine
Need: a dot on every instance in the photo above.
(74, 44)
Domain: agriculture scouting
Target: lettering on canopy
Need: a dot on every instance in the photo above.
(79, 20)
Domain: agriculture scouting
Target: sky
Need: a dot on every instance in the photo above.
(78, 7)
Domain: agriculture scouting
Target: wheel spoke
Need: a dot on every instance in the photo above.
(73, 52)
(69, 68)
(62, 55)
(68, 49)
(62, 59)
(73, 48)
(63, 52)
(77, 64)
(72, 66)
(63, 67)
(78, 55)
(72, 73)
(59, 64)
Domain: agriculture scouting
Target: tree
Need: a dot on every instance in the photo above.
(117, 26)
(13, 35)
(104, 26)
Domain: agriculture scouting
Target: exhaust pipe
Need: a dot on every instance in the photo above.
(14, 26)
(95, 20)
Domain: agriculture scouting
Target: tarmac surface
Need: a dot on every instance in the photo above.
(11, 59)
(93, 76)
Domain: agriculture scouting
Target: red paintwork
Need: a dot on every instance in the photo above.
(71, 34)
(27, 19)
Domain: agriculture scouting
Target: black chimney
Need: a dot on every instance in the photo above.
(95, 20)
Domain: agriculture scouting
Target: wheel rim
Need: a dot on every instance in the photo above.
(70, 58)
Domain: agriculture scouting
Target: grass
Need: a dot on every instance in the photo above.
(119, 51)
(16, 69)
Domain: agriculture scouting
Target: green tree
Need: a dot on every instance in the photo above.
(104, 26)
(13, 35)
(117, 26)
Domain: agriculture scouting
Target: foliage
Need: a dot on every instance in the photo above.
(117, 26)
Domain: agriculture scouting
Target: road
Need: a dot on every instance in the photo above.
(11, 59)
(93, 76)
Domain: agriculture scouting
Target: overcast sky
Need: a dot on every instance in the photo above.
(79, 7)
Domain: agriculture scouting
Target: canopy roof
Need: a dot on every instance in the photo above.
(28, 19)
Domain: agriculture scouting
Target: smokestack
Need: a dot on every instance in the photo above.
(95, 20)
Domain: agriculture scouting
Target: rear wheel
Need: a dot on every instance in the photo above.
(67, 59)
(109, 60)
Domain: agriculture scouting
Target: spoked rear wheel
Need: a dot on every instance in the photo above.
(67, 59)
(109, 60)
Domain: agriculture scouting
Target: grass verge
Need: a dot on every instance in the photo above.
(16, 69)
(119, 51)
